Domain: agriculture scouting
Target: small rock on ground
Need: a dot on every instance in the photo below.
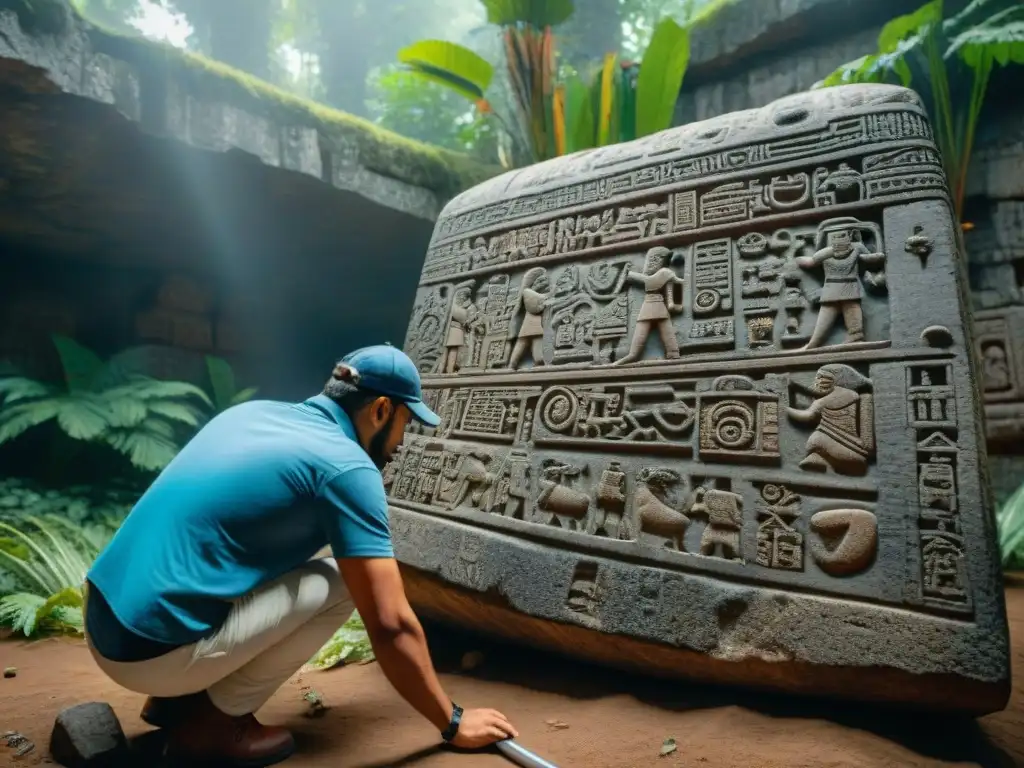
(87, 736)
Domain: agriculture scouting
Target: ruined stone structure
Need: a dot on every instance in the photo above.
(149, 196)
(759, 50)
(709, 410)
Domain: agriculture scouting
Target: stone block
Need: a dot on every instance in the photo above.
(88, 736)
(185, 293)
(709, 410)
(186, 330)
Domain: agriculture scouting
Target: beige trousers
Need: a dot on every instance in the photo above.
(269, 634)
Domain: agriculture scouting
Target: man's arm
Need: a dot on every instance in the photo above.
(356, 523)
(396, 635)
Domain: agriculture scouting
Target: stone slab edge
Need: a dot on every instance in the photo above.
(210, 106)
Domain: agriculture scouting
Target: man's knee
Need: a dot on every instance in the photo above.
(323, 574)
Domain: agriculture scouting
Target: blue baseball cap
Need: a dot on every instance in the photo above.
(389, 371)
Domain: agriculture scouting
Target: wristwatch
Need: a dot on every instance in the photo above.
(453, 725)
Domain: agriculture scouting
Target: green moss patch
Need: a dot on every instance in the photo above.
(379, 150)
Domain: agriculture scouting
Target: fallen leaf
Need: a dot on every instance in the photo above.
(556, 724)
(668, 746)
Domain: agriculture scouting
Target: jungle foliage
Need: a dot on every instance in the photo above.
(950, 59)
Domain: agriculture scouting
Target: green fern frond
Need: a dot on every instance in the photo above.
(84, 416)
(14, 389)
(20, 418)
(149, 446)
(20, 611)
(175, 412)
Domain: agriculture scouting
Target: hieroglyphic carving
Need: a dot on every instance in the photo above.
(423, 341)
(654, 513)
(841, 251)
(619, 417)
(846, 540)
(680, 460)
(842, 417)
(738, 422)
(838, 134)
(724, 512)
(993, 342)
(663, 297)
(931, 411)
(584, 590)
(779, 543)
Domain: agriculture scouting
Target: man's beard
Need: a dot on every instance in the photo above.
(377, 450)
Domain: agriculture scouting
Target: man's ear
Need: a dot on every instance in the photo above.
(382, 408)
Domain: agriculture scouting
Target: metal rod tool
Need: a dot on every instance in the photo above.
(521, 756)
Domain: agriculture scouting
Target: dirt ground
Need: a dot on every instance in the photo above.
(574, 715)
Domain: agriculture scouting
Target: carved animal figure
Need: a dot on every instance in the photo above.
(470, 475)
(567, 506)
(653, 515)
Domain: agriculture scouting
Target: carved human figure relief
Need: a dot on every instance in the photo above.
(663, 297)
(840, 253)
(724, 511)
(611, 502)
(470, 478)
(462, 320)
(842, 415)
(995, 367)
(533, 300)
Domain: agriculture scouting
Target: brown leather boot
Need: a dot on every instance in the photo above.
(207, 735)
(165, 712)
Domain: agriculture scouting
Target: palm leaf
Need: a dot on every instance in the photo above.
(450, 64)
(150, 446)
(999, 38)
(180, 412)
(81, 366)
(16, 388)
(83, 416)
(146, 388)
(661, 77)
(243, 395)
(125, 409)
(222, 381)
(22, 417)
(535, 13)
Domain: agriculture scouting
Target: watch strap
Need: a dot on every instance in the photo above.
(453, 725)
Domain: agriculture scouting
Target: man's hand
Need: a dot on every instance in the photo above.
(481, 728)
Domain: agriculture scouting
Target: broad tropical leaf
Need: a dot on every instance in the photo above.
(999, 38)
(149, 389)
(22, 417)
(83, 417)
(244, 395)
(81, 366)
(16, 388)
(579, 116)
(149, 446)
(450, 64)
(661, 77)
(179, 412)
(222, 381)
(535, 13)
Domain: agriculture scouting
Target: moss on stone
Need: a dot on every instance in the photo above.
(39, 17)
(379, 150)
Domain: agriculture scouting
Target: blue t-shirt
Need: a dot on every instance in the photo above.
(255, 494)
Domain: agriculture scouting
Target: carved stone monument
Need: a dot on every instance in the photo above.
(708, 411)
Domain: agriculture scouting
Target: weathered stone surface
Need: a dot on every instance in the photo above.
(210, 106)
(709, 410)
(87, 736)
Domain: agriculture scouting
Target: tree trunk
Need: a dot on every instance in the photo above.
(235, 32)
